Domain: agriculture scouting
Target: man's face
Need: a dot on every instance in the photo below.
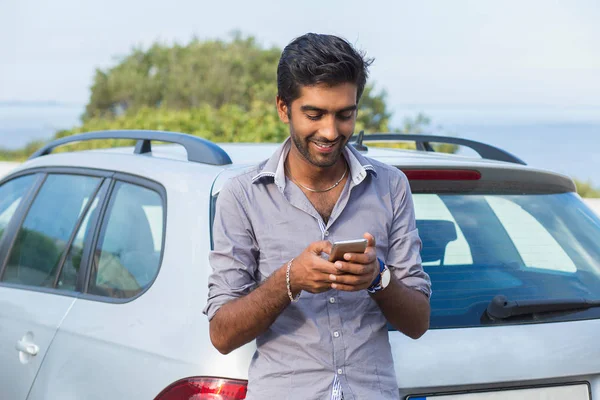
(321, 121)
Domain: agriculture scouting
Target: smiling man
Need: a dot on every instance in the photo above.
(320, 327)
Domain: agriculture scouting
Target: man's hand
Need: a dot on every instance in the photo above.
(310, 272)
(358, 271)
(242, 320)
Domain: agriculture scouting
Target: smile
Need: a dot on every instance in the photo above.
(325, 148)
(325, 145)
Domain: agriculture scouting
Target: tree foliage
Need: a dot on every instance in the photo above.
(228, 123)
(213, 74)
(22, 153)
(586, 189)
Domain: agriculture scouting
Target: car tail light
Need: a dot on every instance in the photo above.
(442, 174)
(205, 388)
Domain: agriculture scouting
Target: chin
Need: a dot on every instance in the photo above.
(321, 161)
(314, 157)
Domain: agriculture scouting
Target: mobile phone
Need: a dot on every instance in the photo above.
(338, 249)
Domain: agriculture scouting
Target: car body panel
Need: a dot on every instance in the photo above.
(443, 359)
(162, 336)
(33, 319)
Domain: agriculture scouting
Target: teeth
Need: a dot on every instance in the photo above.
(324, 145)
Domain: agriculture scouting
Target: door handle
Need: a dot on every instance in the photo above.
(27, 347)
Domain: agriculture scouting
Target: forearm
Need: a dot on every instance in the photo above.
(406, 309)
(242, 320)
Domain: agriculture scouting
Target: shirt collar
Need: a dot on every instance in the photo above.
(359, 164)
(273, 168)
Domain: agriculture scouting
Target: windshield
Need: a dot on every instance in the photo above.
(524, 247)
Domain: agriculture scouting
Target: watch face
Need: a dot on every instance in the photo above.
(385, 278)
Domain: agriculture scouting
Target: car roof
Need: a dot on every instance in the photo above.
(248, 154)
(166, 162)
(244, 154)
(251, 153)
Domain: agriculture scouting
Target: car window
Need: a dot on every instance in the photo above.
(155, 219)
(429, 208)
(70, 269)
(11, 194)
(525, 247)
(127, 257)
(46, 230)
(534, 243)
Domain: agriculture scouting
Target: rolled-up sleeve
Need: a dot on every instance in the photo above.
(404, 250)
(234, 258)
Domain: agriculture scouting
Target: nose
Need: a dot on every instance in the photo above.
(329, 130)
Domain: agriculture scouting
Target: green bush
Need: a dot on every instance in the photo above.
(585, 189)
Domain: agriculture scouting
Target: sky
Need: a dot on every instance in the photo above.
(509, 52)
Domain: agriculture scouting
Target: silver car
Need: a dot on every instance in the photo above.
(104, 268)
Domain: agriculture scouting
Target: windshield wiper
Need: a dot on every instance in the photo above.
(501, 308)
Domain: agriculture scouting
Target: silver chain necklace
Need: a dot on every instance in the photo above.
(318, 190)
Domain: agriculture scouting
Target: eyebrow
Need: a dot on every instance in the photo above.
(313, 108)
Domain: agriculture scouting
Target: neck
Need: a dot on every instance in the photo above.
(312, 175)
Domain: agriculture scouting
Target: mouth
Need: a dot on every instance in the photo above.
(323, 147)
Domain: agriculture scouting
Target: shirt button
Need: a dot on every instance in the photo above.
(340, 371)
(326, 233)
(336, 334)
(332, 300)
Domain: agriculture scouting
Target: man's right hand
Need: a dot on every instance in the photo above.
(241, 320)
(310, 271)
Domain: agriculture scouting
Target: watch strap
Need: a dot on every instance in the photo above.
(376, 284)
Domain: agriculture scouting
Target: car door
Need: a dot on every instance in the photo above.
(32, 253)
(106, 346)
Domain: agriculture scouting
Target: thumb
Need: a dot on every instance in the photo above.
(323, 246)
(370, 239)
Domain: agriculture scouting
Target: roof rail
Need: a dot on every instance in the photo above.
(198, 150)
(422, 142)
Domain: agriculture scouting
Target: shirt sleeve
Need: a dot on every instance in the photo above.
(234, 258)
(404, 250)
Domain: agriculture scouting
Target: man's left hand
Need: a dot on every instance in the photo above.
(359, 270)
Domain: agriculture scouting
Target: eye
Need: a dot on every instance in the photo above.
(314, 117)
(345, 116)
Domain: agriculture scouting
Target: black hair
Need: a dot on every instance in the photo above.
(313, 59)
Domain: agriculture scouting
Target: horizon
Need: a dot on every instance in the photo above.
(440, 114)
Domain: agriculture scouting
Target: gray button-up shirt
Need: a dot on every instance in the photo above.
(262, 221)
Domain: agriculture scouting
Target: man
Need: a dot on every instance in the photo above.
(320, 327)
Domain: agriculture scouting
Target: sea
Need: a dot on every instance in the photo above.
(562, 139)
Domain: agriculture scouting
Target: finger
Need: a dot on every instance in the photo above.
(362, 258)
(353, 268)
(346, 288)
(321, 265)
(370, 239)
(351, 280)
(325, 278)
(319, 287)
(322, 246)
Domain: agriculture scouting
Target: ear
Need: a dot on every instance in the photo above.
(282, 110)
